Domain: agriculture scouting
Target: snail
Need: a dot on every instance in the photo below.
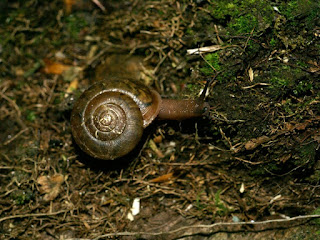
(108, 119)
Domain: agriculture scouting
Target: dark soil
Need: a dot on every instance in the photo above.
(248, 169)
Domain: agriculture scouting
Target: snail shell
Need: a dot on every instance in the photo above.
(107, 121)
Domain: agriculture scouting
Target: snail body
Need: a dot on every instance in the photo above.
(107, 121)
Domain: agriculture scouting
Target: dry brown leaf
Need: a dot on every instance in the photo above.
(255, 142)
(157, 24)
(52, 67)
(73, 85)
(68, 5)
(163, 178)
(51, 186)
(250, 72)
(86, 225)
(315, 68)
(285, 158)
(154, 147)
(289, 126)
(157, 139)
(44, 140)
(298, 126)
(302, 126)
(316, 138)
(19, 71)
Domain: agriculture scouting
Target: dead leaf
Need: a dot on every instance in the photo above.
(285, 158)
(51, 186)
(52, 67)
(73, 85)
(157, 139)
(302, 126)
(44, 140)
(86, 225)
(71, 73)
(19, 72)
(289, 126)
(255, 142)
(298, 126)
(154, 147)
(163, 178)
(316, 138)
(315, 68)
(250, 72)
(68, 5)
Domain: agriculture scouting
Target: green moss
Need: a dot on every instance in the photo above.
(190, 32)
(213, 205)
(273, 167)
(278, 81)
(302, 64)
(212, 61)
(198, 203)
(21, 197)
(244, 24)
(225, 65)
(294, 8)
(288, 107)
(74, 24)
(243, 16)
(317, 220)
(301, 11)
(313, 16)
(315, 177)
(292, 80)
(289, 9)
(223, 9)
(36, 66)
(303, 87)
(306, 155)
(273, 42)
(31, 116)
(222, 209)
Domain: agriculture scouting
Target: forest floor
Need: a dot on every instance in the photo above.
(249, 169)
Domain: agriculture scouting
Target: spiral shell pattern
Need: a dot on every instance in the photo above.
(107, 121)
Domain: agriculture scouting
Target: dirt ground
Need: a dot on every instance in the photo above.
(248, 169)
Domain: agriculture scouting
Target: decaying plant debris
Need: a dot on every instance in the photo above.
(251, 166)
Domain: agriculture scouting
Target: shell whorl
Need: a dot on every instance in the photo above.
(108, 119)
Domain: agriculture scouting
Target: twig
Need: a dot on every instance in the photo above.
(217, 33)
(215, 70)
(32, 215)
(257, 84)
(13, 167)
(16, 108)
(13, 103)
(247, 161)
(204, 49)
(226, 138)
(246, 44)
(205, 229)
(15, 136)
(207, 49)
(99, 5)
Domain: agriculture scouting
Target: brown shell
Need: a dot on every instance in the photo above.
(108, 119)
